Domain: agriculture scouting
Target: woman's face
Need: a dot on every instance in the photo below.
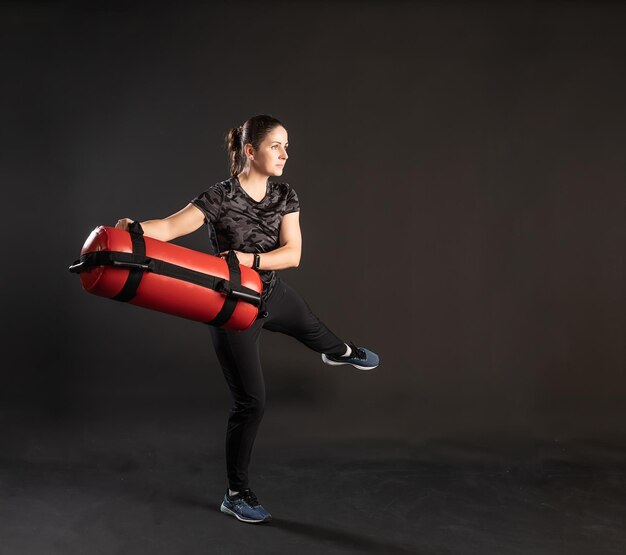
(271, 157)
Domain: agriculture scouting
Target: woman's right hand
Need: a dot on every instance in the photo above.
(123, 223)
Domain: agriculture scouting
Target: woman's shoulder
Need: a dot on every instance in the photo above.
(225, 186)
(282, 187)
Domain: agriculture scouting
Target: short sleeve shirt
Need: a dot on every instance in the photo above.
(236, 221)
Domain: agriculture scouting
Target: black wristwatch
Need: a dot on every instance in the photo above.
(257, 261)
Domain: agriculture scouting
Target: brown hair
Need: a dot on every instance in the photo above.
(253, 131)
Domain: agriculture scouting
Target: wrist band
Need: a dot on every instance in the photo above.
(257, 261)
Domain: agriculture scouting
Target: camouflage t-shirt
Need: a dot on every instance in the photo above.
(236, 221)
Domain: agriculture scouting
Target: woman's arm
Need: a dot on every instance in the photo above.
(182, 223)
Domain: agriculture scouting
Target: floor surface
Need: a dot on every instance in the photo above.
(154, 486)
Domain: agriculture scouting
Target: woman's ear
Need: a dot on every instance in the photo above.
(249, 150)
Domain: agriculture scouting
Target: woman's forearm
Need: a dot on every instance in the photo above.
(280, 259)
(157, 229)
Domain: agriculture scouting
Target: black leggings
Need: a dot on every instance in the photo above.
(238, 354)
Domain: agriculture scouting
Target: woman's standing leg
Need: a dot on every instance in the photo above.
(238, 354)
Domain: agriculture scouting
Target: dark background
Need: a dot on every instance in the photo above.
(460, 170)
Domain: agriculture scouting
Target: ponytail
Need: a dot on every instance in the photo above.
(234, 147)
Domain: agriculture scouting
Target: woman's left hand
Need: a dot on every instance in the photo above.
(245, 258)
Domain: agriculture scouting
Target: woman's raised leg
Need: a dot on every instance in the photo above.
(290, 314)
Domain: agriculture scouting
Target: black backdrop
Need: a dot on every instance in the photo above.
(460, 169)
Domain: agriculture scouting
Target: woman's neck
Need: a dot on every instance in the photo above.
(253, 181)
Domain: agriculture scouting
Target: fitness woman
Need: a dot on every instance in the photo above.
(259, 220)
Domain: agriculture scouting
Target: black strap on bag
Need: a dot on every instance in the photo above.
(226, 287)
(136, 273)
(138, 263)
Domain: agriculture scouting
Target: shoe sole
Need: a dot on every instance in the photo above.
(227, 511)
(333, 363)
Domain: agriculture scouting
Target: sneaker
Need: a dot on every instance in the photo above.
(245, 507)
(360, 358)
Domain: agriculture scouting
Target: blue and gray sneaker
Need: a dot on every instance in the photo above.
(360, 358)
(245, 507)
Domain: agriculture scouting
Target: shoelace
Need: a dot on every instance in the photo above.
(360, 353)
(248, 496)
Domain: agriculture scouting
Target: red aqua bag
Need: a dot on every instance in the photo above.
(130, 267)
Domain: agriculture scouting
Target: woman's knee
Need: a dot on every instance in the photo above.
(253, 406)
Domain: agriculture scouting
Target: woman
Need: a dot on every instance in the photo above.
(259, 220)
